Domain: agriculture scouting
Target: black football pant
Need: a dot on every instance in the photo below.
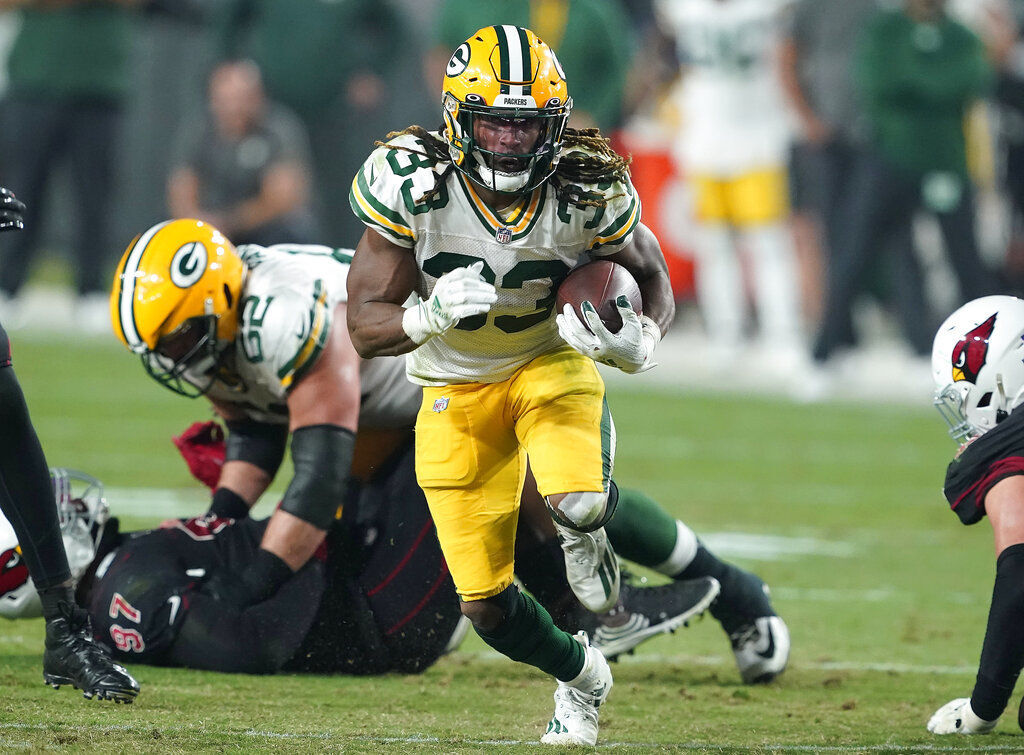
(26, 495)
(35, 136)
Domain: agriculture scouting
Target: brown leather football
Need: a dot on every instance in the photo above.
(600, 282)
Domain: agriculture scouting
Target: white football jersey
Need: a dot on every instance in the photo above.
(735, 118)
(286, 310)
(526, 251)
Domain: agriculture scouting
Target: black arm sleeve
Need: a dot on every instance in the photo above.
(1002, 654)
(322, 455)
(259, 443)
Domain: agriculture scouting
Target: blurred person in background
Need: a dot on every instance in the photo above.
(918, 72)
(592, 38)
(816, 63)
(71, 656)
(733, 147)
(68, 82)
(347, 68)
(246, 167)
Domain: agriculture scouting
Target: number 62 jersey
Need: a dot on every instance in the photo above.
(527, 250)
(286, 312)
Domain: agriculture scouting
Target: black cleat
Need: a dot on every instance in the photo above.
(644, 612)
(759, 638)
(73, 657)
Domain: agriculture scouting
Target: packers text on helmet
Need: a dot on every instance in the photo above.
(505, 76)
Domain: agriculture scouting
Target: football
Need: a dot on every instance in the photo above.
(600, 282)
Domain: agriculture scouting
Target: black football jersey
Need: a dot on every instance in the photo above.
(144, 589)
(997, 454)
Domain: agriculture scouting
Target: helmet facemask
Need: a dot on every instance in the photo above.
(498, 171)
(185, 360)
(83, 513)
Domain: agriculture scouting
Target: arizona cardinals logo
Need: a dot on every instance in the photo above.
(13, 572)
(970, 352)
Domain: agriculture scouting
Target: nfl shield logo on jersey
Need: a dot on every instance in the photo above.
(503, 235)
(441, 404)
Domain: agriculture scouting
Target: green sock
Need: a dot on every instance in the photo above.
(641, 530)
(529, 636)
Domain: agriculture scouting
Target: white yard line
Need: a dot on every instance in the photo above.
(423, 739)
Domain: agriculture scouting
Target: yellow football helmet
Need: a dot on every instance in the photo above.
(506, 73)
(175, 302)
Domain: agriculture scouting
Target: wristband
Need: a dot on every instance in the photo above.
(265, 575)
(228, 504)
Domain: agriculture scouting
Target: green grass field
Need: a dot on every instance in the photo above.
(838, 507)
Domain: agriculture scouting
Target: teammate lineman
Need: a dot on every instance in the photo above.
(483, 221)
(26, 499)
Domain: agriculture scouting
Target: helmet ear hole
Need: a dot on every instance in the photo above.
(985, 400)
(228, 296)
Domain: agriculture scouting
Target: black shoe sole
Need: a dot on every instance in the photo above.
(118, 695)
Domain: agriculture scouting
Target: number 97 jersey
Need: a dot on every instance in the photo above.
(526, 250)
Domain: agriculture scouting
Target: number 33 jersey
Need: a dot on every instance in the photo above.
(526, 250)
(286, 312)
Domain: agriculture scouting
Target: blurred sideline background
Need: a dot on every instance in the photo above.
(174, 44)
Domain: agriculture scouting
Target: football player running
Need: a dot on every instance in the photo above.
(26, 499)
(482, 221)
(978, 367)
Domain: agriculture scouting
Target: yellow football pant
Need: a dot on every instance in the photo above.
(472, 442)
(749, 199)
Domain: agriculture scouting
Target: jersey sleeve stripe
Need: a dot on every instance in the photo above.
(310, 350)
(373, 212)
(621, 227)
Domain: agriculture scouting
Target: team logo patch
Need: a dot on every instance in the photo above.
(188, 264)
(459, 60)
(971, 351)
(13, 571)
(440, 404)
(503, 235)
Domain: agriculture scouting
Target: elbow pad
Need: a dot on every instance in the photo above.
(322, 455)
(259, 443)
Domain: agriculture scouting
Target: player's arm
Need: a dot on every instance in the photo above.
(324, 410)
(632, 347)
(1002, 654)
(643, 257)
(380, 280)
(253, 453)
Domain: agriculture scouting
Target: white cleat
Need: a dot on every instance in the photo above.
(576, 703)
(761, 649)
(590, 567)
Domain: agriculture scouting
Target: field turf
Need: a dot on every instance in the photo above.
(837, 506)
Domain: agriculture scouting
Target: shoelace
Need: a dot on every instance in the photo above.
(743, 635)
(583, 705)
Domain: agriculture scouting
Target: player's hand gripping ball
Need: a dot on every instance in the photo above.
(600, 283)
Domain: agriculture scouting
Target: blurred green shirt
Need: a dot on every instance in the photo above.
(917, 82)
(80, 51)
(593, 41)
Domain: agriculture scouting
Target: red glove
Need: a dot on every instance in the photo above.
(202, 447)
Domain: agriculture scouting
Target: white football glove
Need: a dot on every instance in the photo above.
(631, 349)
(460, 293)
(957, 717)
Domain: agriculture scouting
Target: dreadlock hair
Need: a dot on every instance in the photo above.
(587, 158)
